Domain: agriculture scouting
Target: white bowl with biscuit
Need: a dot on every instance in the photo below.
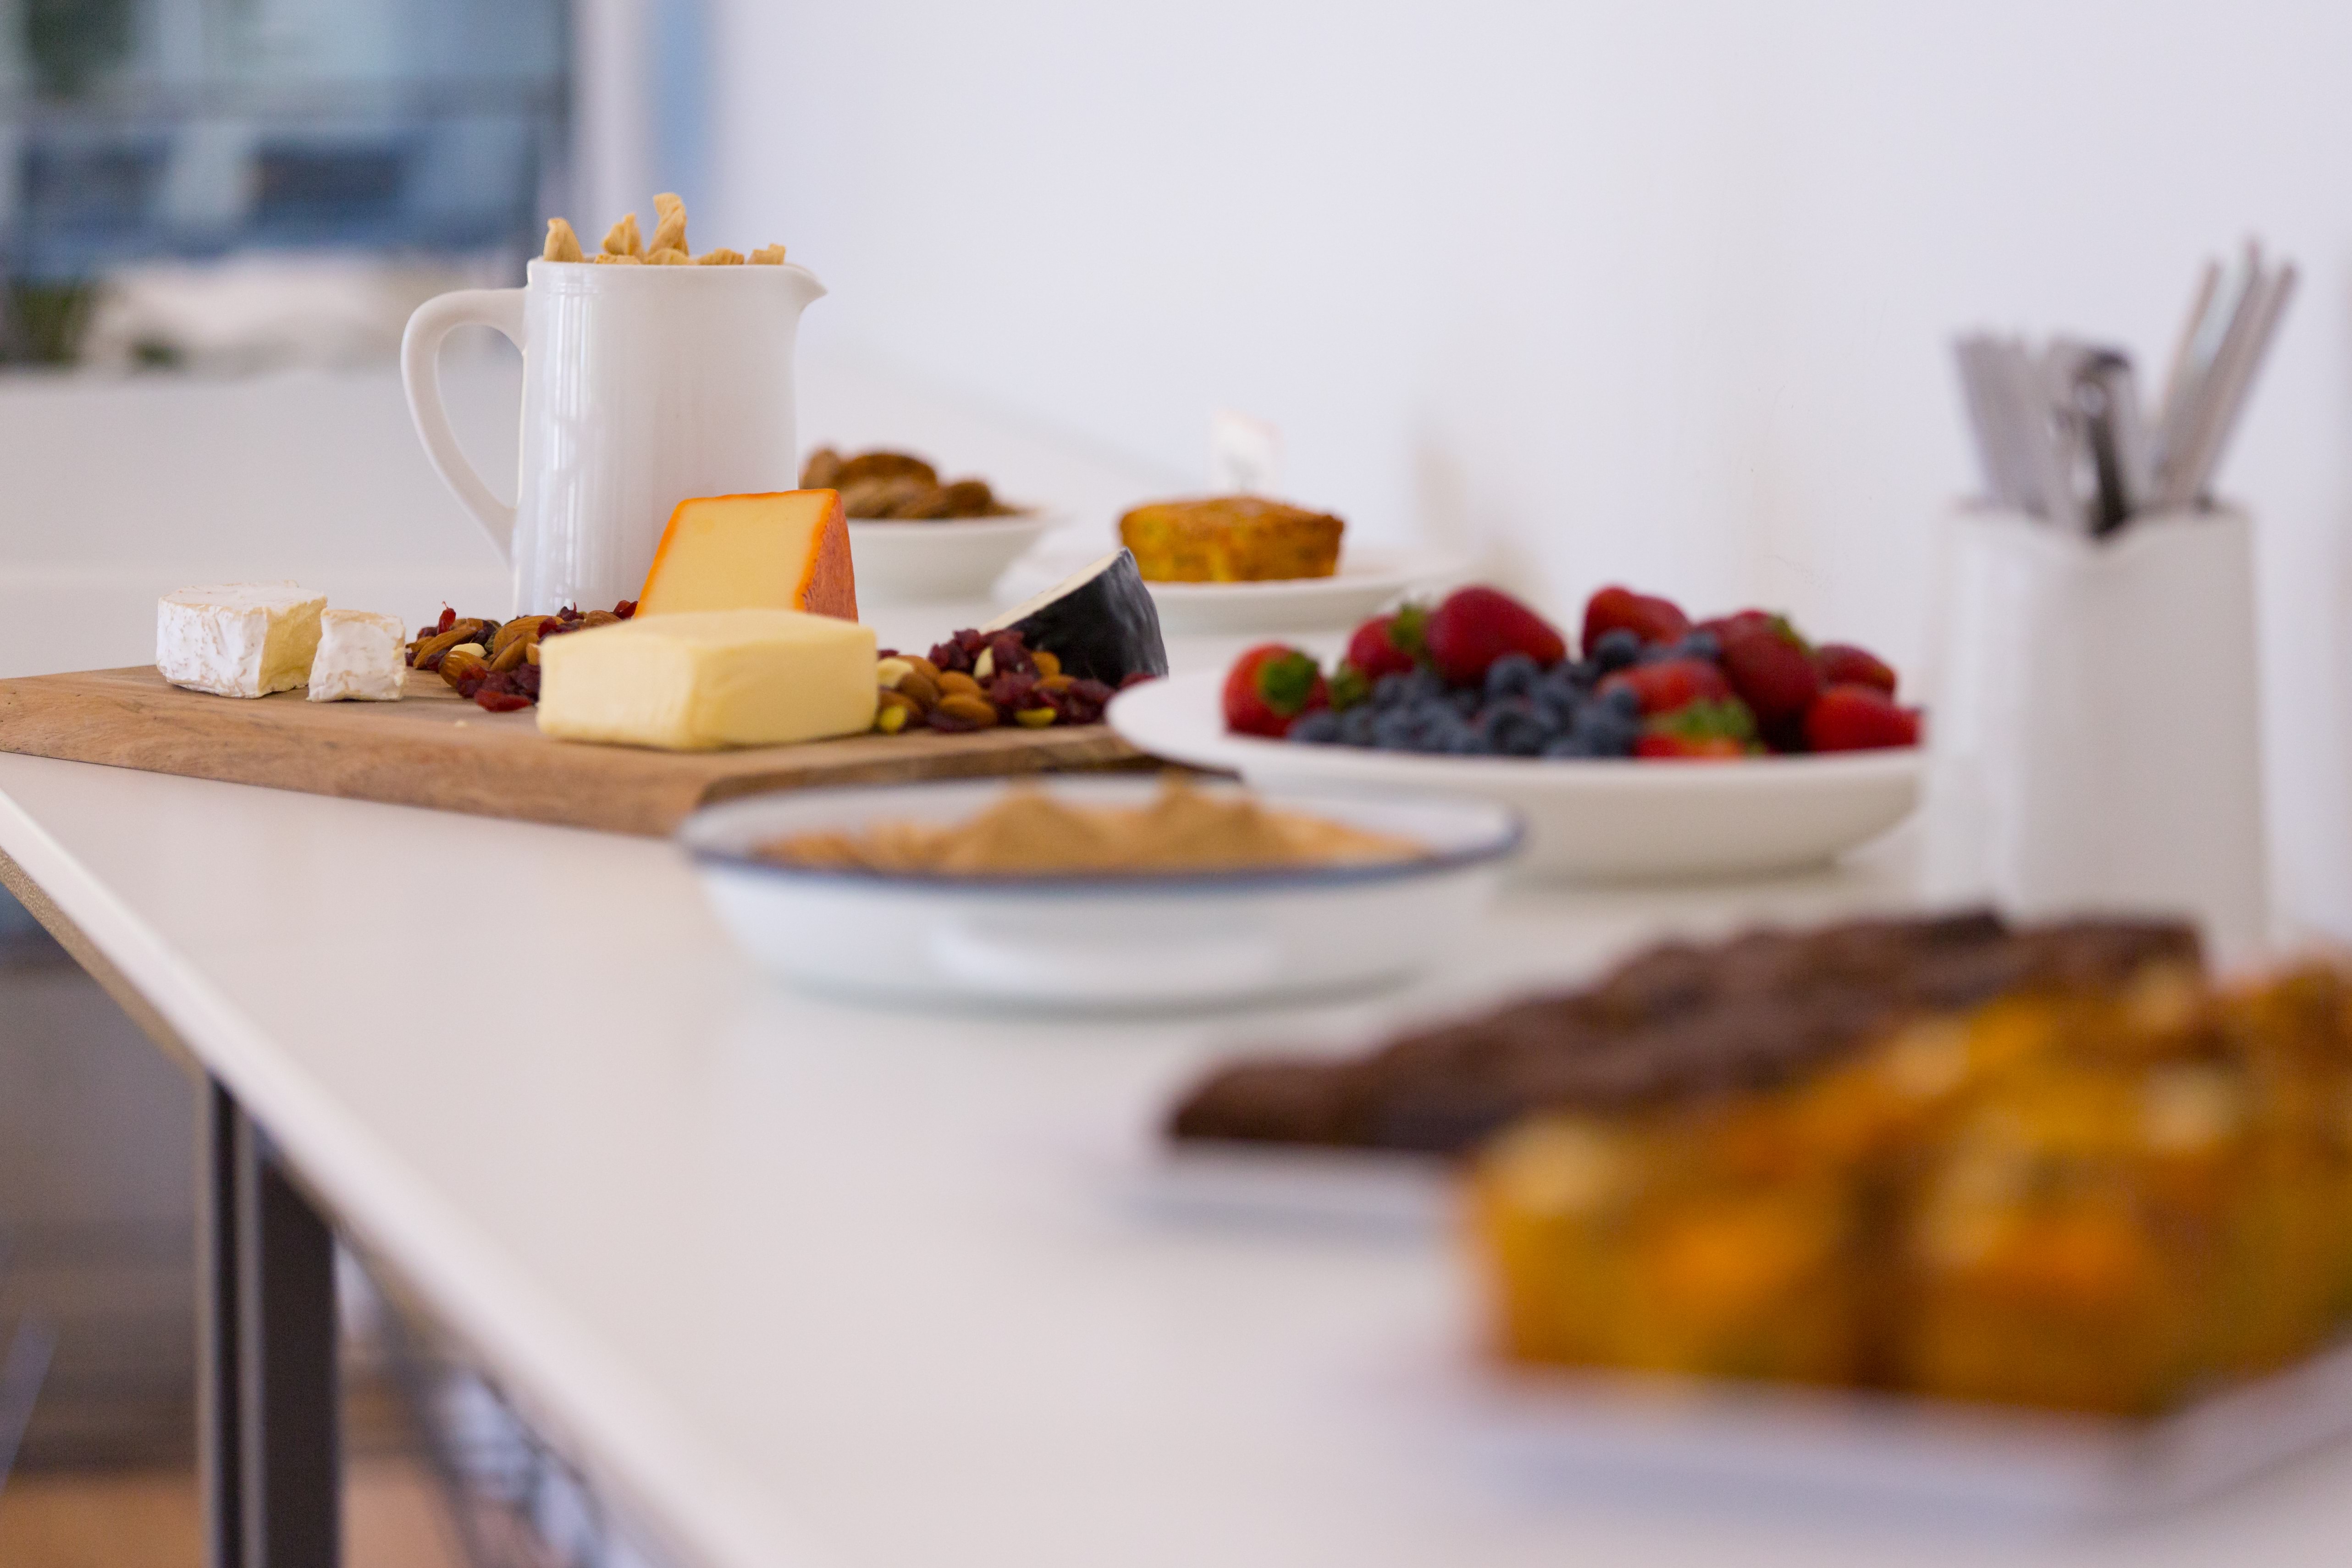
(1099, 941)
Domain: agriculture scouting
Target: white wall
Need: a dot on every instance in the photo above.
(1649, 291)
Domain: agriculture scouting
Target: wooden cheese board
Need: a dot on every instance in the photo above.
(435, 749)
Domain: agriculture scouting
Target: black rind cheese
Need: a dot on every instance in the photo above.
(1101, 622)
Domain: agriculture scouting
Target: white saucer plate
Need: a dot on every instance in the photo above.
(948, 559)
(1602, 820)
(1094, 943)
(1368, 580)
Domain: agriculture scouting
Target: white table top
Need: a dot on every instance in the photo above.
(808, 1282)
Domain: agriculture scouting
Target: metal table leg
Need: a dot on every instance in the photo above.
(269, 1443)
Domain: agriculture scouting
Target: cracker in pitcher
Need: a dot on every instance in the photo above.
(622, 239)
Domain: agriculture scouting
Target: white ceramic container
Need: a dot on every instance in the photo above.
(937, 561)
(2098, 720)
(1116, 944)
(643, 386)
(1616, 819)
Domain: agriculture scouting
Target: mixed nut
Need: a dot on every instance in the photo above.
(977, 680)
(496, 663)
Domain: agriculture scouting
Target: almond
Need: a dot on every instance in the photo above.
(956, 683)
(963, 710)
(433, 647)
(918, 687)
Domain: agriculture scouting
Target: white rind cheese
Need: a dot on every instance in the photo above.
(239, 639)
(704, 679)
(362, 657)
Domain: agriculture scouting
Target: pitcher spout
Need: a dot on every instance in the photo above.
(809, 290)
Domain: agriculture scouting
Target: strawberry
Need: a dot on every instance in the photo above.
(1472, 627)
(1268, 687)
(1770, 666)
(1706, 730)
(1390, 645)
(1721, 625)
(1647, 615)
(1671, 684)
(1855, 718)
(1842, 663)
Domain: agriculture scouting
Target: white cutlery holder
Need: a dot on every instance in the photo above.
(2095, 720)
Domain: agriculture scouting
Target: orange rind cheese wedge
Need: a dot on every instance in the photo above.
(788, 549)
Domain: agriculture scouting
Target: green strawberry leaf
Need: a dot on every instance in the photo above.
(1286, 681)
(1348, 686)
(1409, 631)
(1786, 630)
(1707, 719)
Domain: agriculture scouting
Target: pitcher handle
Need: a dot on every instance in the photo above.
(420, 372)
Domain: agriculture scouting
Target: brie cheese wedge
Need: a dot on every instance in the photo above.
(239, 639)
(361, 656)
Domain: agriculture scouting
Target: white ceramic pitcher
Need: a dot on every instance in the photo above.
(642, 387)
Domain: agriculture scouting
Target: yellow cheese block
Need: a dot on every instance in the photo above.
(785, 551)
(700, 679)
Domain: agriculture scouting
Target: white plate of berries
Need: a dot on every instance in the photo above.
(1655, 747)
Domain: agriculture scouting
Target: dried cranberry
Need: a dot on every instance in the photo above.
(952, 655)
(501, 701)
(1081, 701)
(1137, 678)
(625, 608)
(524, 677)
(1009, 655)
(1012, 691)
(432, 660)
(448, 618)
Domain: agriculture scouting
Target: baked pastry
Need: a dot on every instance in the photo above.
(1231, 539)
(1677, 1023)
(2092, 1196)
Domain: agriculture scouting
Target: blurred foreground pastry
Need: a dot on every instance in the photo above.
(2053, 1167)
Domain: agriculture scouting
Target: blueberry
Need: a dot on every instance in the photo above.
(1624, 699)
(1512, 674)
(1320, 728)
(1465, 701)
(1560, 683)
(1570, 746)
(1702, 645)
(1442, 732)
(1390, 691)
(1394, 730)
(1607, 730)
(1355, 725)
(1616, 648)
(1658, 653)
(1425, 684)
(1514, 729)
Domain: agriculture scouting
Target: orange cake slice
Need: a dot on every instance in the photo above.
(784, 551)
